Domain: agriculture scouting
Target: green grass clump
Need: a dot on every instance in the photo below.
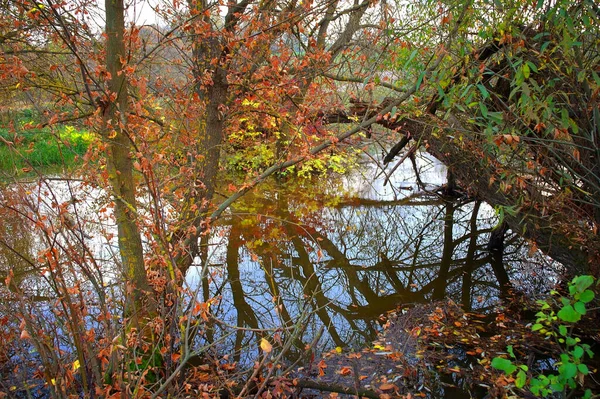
(40, 148)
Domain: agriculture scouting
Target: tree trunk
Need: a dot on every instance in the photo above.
(120, 164)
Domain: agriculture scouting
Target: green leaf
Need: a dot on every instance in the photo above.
(532, 66)
(596, 78)
(572, 341)
(496, 117)
(579, 307)
(562, 330)
(557, 387)
(568, 370)
(586, 296)
(420, 80)
(577, 352)
(537, 327)
(583, 282)
(503, 365)
(521, 379)
(483, 90)
(526, 71)
(569, 314)
(484, 109)
(412, 56)
(510, 351)
(544, 46)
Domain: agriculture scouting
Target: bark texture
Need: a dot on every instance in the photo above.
(119, 162)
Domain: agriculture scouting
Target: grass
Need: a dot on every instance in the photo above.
(44, 148)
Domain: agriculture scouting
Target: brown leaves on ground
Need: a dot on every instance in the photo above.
(422, 341)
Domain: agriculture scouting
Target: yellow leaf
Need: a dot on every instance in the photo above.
(76, 365)
(338, 349)
(265, 345)
(53, 381)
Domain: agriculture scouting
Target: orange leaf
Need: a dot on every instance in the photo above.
(387, 386)
(345, 370)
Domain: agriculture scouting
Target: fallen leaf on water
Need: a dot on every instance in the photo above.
(387, 386)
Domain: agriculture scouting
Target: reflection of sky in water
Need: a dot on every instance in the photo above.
(368, 182)
(352, 262)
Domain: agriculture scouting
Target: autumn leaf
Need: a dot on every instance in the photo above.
(322, 366)
(387, 386)
(265, 345)
(25, 335)
(345, 371)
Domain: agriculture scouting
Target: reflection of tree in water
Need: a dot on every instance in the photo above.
(16, 246)
(359, 259)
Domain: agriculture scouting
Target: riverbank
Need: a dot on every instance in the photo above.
(26, 146)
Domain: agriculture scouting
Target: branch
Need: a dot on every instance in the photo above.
(359, 80)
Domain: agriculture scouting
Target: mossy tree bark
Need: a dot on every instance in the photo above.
(120, 164)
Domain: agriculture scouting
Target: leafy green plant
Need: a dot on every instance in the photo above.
(570, 368)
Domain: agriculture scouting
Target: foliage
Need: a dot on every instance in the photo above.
(25, 146)
(524, 97)
(558, 326)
